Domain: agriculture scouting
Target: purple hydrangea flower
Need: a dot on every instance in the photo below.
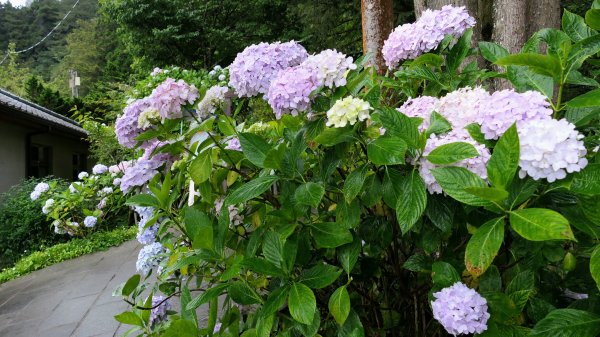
(140, 173)
(421, 107)
(148, 257)
(503, 108)
(476, 165)
(463, 106)
(410, 40)
(159, 313)
(550, 149)
(234, 144)
(126, 126)
(290, 90)
(253, 69)
(99, 169)
(156, 71)
(330, 67)
(90, 221)
(146, 234)
(460, 310)
(170, 96)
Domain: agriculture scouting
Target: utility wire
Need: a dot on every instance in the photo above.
(8, 52)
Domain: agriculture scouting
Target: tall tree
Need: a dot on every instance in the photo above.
(377, 24)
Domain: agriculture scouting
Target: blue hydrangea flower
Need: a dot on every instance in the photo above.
(90, 221)
(148, 257)
(159, 313)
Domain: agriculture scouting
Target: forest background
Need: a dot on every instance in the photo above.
(113, 43)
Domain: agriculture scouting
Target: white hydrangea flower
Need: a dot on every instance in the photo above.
(214, 97)
(99, 169)
(347, 111)
(330, 66)
(146, 117)
(35, 195)
(83, 175)
(48, 206)
(463, 106)
(550, 149)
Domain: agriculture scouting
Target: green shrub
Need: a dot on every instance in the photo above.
(23, 227)
(97, 241)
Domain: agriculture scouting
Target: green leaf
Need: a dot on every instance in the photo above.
(474, 130)
(411, 201)
(438, 124)
(452, 153)
(483, 246)
(581, 51)
(582, 116)
(273, 248)
(255, 148)
(275, 301)
(595, 265)
(524, 79)
(348, 255)
(568, 323)
(592, 18)
(387, 150)
(334, 136)
(262, 266)
(428, 59)
(339, 305)
(129, 318)
(443, 274)
(143, 200)
(504, 161)
(319, 276)
(330, 234)
(201, 167)
(459, 51)
(186, 298)
(181, 328)
(309, 194)
(400, 125)
(541, 64)
(454, 180)
(492, 51)
(587, 181)
(574, 25)
(199, 228)
(488, 193)
(302, 303)
(241, 293)
(589, 99)
(249, 190)
(501, 307)
(130, 285)
(540, 224)
(354, 183)
(206, 296)
(504, 330)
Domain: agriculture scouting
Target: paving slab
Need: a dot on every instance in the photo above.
(72, 298)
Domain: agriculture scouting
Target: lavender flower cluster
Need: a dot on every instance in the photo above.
(165, 102)
(290, 90)
(253, 70)
(410, 40)
(148, 257)
(460, 310)
(146, 234)
(159, 313)
(214, 97)
(145, 167)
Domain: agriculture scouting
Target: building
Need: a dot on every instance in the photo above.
(37, 142)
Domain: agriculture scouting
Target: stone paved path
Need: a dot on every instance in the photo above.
(72, 298)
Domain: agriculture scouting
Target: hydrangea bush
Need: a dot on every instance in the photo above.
(94, 200)
(420, 203)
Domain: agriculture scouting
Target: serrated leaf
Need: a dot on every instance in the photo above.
(130, 285)
(454, 180)
(255, 148)
(199, 228)
(241, 293)
(143, 200)
(568, 323)
(592, 18)
(348, 255)
(444, 274)
(302, 303)
(540, 224)
(249, 190)
(484, 246)
(334, 136)
(492, 51)
(339, 305)
(595, 265)
(354, 183)
(587, 181)
(574, 25)
(387, 150)
(330, 234)
(488, 193)
(129, 318)
(589, 99)
(201, 167)
(546, 65)
(452, 153)
(309, 194)
(275, 301)
(411, 201)
(319, 276)
(206, 296)
(400, 125)
(504, 162)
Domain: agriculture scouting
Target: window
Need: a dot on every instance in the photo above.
(40, 161)
(79, 164)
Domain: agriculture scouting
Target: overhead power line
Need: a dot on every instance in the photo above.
(8, 52)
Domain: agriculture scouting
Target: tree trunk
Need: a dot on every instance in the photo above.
(543, 14)
(377, 24)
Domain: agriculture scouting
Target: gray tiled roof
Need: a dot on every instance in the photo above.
(38, 112)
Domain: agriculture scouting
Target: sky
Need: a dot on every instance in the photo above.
(15, 2)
